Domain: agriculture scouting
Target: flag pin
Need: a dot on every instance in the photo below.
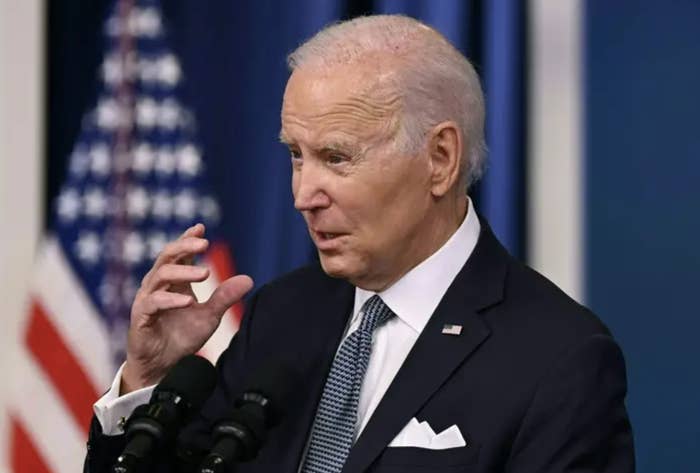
(449, 329)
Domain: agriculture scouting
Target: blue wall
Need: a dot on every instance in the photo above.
(643, 213)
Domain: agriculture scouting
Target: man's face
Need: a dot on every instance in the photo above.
(364, 201)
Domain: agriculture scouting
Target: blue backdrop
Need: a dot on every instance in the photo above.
(643, 213)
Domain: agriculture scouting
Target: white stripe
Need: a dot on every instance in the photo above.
(228, 327)
(46, 419)
(555, 170)
(72, 312)
(22, 118)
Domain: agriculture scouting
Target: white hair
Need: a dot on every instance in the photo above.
(434, 80)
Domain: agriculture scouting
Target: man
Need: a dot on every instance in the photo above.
(423, 346)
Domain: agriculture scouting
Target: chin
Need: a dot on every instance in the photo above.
(336, 266)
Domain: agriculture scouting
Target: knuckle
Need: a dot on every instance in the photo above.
(147, 277)
(164, 273)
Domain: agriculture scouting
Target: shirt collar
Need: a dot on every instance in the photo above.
(415, 296)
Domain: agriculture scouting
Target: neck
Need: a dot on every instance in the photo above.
(438, 227)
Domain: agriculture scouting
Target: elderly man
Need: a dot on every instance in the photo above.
(423, 346)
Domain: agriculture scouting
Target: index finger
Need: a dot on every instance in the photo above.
(196, 230)
(183, 250)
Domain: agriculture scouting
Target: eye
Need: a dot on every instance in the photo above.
(337, 158)
(295, 154)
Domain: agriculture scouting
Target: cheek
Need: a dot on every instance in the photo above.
(295, 182)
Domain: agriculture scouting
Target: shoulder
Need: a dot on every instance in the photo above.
(537, 301)
(537, 323)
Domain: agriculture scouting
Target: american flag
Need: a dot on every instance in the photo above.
(136, 179)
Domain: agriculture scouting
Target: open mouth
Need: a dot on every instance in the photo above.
(326, 240)
(328, 236)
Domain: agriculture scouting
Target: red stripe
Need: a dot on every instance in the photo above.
(61, 366)
(24, 457)
(224, 268)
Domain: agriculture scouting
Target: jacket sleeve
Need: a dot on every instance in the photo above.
(102, 450)
(577, 419)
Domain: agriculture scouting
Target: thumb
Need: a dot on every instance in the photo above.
(228, 293)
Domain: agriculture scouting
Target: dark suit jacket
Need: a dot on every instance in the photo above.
(535, 382)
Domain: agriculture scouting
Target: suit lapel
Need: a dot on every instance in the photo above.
(436, 356)
(325, 321)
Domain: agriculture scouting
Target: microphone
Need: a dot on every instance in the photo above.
(240, 436)
(181, 393)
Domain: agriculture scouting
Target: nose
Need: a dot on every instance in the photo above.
(308, 188)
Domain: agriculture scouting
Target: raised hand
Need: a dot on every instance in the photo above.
(167, 322)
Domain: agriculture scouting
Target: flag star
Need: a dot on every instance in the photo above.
(148, 70)
(169, 115)
(108, 291)
(185, 205)
(162, 205)
(99, 160)
(68, 206)
(209, 209)
(146, 112)
(113, 26)
(143, 157)
(138, 203)
(95, 203)
(88, 247)
(146, 22)
(112, 71)
(168, 69)
(108, 114)
(189, 161)
(134, 248)
(79, 162)
(156, 241)
(129, 289)
(118, 331)
(165, 161)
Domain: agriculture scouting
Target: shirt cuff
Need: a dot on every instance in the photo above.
(112, 410)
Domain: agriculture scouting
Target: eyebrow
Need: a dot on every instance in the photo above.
(334, 145)
(338, 146)
(283, 138)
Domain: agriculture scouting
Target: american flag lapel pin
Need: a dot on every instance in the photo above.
(449, 329)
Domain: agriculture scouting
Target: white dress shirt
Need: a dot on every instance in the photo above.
(413, 299)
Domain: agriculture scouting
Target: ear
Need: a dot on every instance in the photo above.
(445, 153)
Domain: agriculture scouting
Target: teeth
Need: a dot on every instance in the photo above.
(328, 236)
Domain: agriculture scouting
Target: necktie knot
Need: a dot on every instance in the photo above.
(374, 314)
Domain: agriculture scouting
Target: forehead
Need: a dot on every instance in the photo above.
(351, 100)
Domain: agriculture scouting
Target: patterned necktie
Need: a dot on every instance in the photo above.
(334, 426)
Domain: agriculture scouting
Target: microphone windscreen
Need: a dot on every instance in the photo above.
(193, 378)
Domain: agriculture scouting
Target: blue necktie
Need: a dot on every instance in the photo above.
(333, 431)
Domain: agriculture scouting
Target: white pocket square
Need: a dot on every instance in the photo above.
(421, 435)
